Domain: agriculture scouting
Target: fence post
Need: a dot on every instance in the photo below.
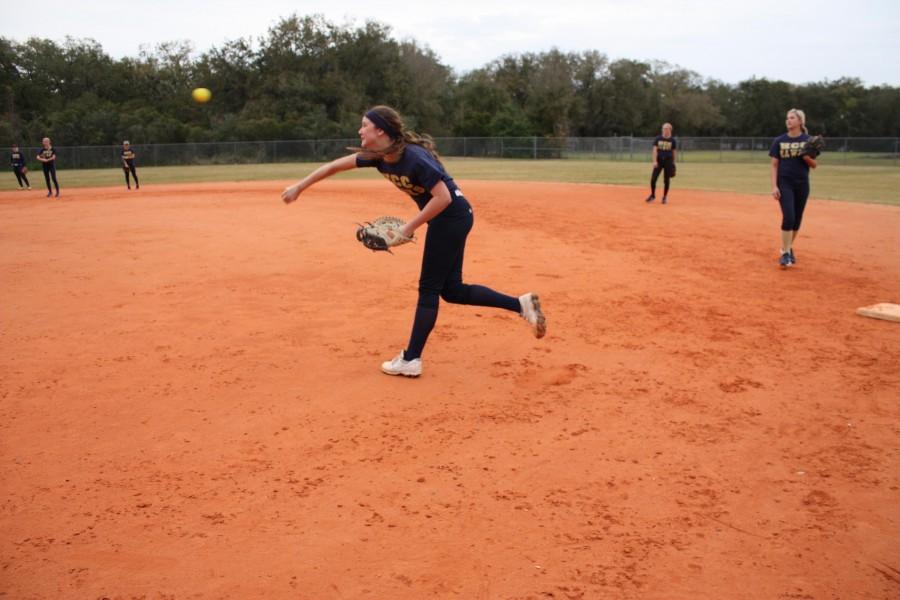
(465, 148)
(534, 146)
(631, 148)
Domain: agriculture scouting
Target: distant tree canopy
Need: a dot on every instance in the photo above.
(308, 78)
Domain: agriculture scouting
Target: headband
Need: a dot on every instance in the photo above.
(379, 122)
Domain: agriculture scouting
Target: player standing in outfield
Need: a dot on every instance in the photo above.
(128, 164)
(410, 162)
(664, 147)
(47, 156)
(790, 180)
(17, 160)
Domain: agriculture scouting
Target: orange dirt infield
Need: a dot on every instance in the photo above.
(192, 405)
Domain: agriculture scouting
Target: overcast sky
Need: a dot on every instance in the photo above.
(727, 40)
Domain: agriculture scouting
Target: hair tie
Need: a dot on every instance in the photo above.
(382, 124)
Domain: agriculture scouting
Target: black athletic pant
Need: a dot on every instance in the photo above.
(50, 171)
(794, 193)
(130, 167)
(441, 277)
(664, 166)
(21, 177)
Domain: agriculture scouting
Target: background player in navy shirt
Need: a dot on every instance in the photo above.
(663, 161)
(790, 180)
(47, 156)
(410, 162)
(17, 160)
(128, 164)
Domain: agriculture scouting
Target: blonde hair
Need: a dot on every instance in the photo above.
(406, 137)
(669, 125)
(800, 115)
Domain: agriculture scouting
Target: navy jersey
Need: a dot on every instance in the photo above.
(128, 155)
(47, 153)
(17, 159)
(787, 150)
(664, 147)
(416, 173)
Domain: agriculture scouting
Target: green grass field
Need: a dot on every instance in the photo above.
(836, 182)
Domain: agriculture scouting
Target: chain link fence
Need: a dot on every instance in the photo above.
(856, 151)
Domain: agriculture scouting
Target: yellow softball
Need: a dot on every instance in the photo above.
(201, 95)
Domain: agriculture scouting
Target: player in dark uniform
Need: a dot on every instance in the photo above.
(17, 160)
(128, 164)
(47, 156)
(410, 162)
(664, 147)
(790, 180)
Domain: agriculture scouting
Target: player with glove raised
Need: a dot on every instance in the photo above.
(793, 155)
(410, 162)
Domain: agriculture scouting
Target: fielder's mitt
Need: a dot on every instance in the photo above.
(672, 170)
(813, 146)
(382, 234)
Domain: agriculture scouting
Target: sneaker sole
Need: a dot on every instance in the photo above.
(410, 375)
(540, 328)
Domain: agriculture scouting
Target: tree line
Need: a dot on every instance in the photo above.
(310, 78)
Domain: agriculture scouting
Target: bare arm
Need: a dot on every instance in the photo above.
(440, 200)
(674, 154)
(345, 163)
(776, 193)
(655, 161)
(810, 161)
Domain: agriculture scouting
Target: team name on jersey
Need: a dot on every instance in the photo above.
(128, 154)
(790, 149)
(16, 156)
(664, 145)
(404, 184)
(47, 153)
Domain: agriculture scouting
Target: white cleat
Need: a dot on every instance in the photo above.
(401, 366)
(531, 312)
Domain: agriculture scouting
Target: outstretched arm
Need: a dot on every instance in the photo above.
(345, 163)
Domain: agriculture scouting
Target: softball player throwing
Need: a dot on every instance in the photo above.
(790, 180)
(410, 162)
